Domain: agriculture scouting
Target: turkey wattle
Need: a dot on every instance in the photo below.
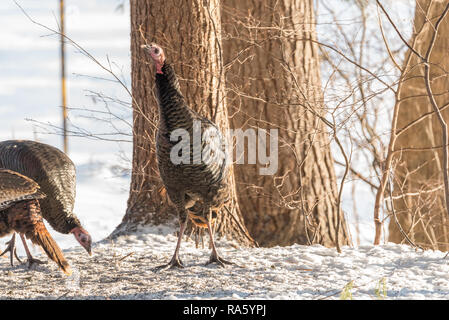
(201, 182)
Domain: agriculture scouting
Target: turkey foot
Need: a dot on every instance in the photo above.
(30, 260)
(215, 258)
(175, 262)
(11, 248)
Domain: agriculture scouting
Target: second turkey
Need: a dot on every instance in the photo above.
(55, 173)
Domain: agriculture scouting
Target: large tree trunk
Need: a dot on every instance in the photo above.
(274, 82)
(190, 33)
(418, 189)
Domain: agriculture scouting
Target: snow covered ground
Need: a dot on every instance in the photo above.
(123, 270)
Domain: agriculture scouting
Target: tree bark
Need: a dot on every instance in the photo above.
(418, 190)
(274, 81)
(189, 31)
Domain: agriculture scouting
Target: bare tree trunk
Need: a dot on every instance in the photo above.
(419, 190)
(190, 33)
(274, 82)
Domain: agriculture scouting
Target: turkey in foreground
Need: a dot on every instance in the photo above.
(55, 173)
(20, 212)
(200, 178)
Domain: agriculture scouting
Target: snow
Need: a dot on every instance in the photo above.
(124, 269)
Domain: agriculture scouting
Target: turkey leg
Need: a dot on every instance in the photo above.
(30, 260)
(11, 248)
(215, 257)
(175, 262)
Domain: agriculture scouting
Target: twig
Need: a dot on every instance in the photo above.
(128, 255)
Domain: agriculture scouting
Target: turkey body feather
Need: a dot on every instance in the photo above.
(15, 187)
(53, 171)
(202, 179)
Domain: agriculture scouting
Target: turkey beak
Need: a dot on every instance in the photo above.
(146, 47)
(88, 247)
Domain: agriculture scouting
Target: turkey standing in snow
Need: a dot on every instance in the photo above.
(55, 173)
(201, 182)
(20, 212)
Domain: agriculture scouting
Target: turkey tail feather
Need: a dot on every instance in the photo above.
(51, 248)
(25, 217)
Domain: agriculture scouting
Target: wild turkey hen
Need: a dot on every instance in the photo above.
(20, 212)
(55, 173)
(200, 180)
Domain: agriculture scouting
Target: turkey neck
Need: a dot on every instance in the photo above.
(173, 110)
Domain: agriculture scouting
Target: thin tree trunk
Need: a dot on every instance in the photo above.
(63, 78)
(190, 33)
(274, 82)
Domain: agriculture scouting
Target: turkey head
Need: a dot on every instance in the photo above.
(157, 54)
